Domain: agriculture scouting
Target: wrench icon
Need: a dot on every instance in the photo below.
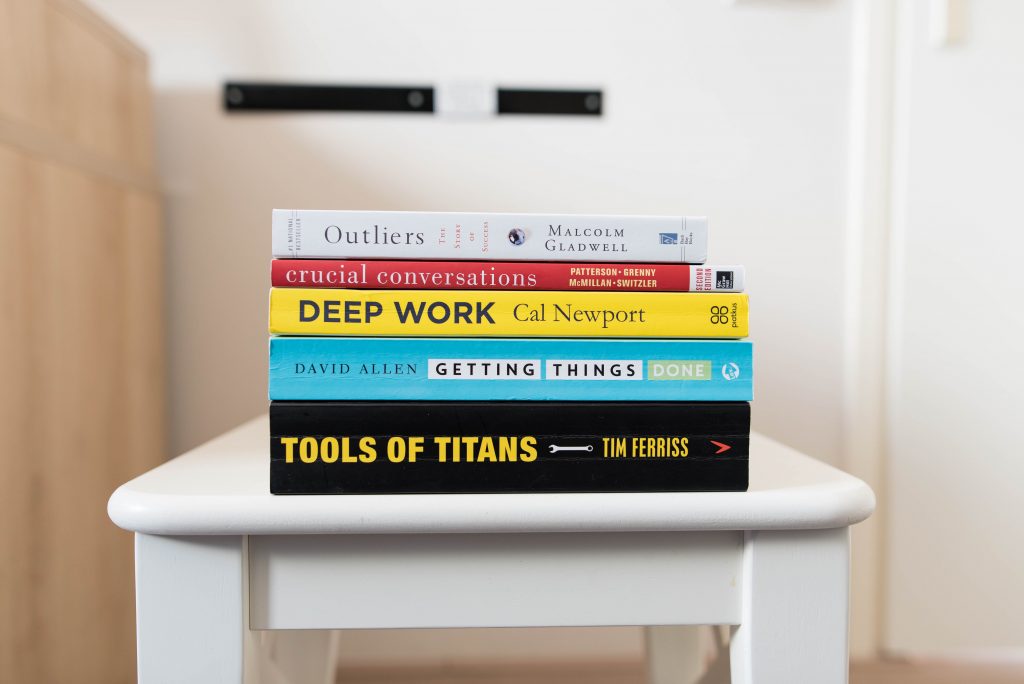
(554, 447)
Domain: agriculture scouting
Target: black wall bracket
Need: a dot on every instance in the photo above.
(458, 99)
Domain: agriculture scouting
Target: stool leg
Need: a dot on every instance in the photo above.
(795, 608)
(190, 609)
(304, 656)
(673, 655)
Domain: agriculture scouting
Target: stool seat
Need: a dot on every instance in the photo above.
(222, 566)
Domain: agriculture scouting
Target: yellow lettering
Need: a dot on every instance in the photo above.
(367, 449)
(396, 449)
(308, 450)
(528, 447)
(415, 448)
(470, 443)
(346, 454)
(289, 448)
(508, 450)
(442, 448)
(487, 452)
(329, 449)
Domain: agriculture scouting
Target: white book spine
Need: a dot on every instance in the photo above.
(314, 234)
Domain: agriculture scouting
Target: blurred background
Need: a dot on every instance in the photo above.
(862, 158)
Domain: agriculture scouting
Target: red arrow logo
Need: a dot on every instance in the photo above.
(722, 448)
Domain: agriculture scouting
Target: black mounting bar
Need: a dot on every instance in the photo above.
(323, 98)
(579, 102)
(278, 97)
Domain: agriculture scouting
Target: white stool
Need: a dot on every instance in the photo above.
(217, 556)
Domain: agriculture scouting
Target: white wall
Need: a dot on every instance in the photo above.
(736, 110)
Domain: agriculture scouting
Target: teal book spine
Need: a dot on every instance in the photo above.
(500, 369)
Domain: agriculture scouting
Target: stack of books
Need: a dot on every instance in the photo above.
(458, 352)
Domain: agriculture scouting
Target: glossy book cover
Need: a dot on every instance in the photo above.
(506, 313)
(463, 447)
(504, 275)
(318, 234)
(339, 368)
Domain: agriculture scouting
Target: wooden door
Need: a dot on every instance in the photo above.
(82, 395)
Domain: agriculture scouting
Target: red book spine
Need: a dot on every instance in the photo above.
(490, 275)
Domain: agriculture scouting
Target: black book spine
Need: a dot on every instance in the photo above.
(459, 447)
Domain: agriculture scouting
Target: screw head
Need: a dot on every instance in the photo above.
(235, 96)
(415, 99)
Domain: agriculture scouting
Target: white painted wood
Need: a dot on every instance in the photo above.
(468, 580)
(952, 498)
(794, 615)
(301, 656)
(223, 488)
(674, 654)
(189, 609)
(867, 254)
(260, 667)
(947, 22)
(718, 670)
(192, 614)
(291, 657)
(674, 564)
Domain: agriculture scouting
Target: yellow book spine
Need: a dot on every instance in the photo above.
(447, 313)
